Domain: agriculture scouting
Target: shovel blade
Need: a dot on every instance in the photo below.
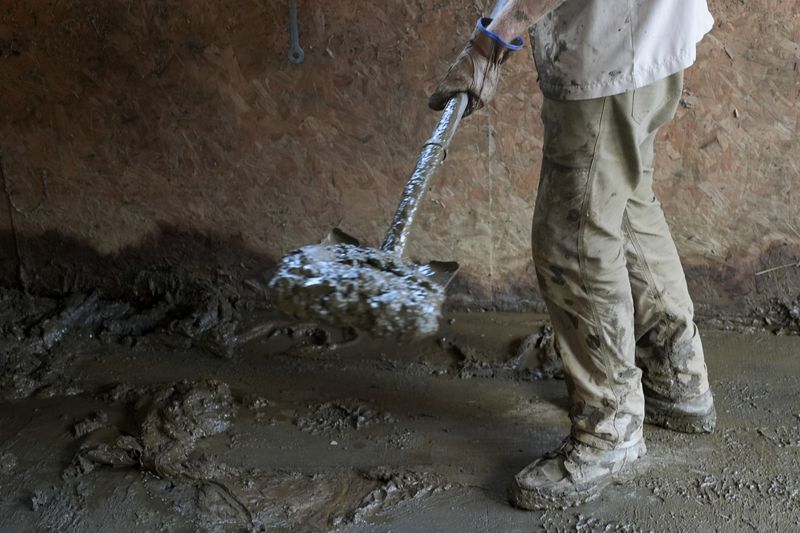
(337, 236)
(441, 272)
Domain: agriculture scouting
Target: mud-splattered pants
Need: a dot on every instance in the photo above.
(607, 266)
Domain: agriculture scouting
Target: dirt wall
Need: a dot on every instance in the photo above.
(176, 133)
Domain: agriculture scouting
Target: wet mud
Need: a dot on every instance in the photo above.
(780, 316)
(532, 357)
(40, 336)
(158, 430)
(316, 429)
(374, 290)
(367, 289)
(167, 421)
(339, 416)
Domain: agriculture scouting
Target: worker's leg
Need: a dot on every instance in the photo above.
(591, 169)
(669, 350)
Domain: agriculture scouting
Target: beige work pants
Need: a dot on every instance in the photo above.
(607, 266)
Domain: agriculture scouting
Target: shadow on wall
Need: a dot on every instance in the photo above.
(516, 291)
(55, 264)
(742, 286)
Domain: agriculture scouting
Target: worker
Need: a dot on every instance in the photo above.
(611, 72)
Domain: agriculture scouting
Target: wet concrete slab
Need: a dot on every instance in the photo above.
(329, 432)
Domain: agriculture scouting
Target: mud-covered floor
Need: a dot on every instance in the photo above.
(309, 430)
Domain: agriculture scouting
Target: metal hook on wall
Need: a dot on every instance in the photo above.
(296, 54)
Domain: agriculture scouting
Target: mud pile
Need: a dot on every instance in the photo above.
(159, 436)
(395, 487)
(168, 421)
(538, 353)
(780, 316)
(30, 328)
(533, 357)
(367, 289)
(308, 338)
(163, 426)
(339, 416)
(41, 335)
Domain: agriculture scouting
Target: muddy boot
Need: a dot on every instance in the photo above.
(694, 415)
(571, 475)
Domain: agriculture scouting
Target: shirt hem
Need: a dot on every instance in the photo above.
(635, 80)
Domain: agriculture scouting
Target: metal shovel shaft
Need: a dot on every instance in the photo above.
(498, 7)
(428, 163)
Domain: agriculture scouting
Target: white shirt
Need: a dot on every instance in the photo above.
(593, 48)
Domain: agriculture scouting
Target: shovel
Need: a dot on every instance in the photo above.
(341, 283)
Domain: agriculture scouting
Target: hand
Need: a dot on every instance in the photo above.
(476, 71)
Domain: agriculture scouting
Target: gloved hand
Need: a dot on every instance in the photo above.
(476, 70)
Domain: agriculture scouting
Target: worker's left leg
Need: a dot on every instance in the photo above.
(668, 346)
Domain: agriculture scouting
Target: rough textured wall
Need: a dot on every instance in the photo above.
(176, 133)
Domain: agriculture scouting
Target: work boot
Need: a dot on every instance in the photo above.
(573, 474)
(693, 415)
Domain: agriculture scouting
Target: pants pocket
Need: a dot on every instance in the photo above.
(571, 129)
(652, 99)
(646, 100)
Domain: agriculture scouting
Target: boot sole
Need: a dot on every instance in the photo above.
(536, 500)
(683, 423)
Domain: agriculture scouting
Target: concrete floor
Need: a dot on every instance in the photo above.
(371, 437)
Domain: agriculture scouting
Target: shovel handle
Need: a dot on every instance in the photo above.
(498, 7)
(430, 159)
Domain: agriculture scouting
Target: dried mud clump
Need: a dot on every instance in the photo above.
(41, 336)
(163, 426)
(535, 357)
(538, 353)
(395, 487)
(340, 416)
(781, 317)
(169, 421)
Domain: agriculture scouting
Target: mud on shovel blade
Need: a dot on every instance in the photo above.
(375, 290)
